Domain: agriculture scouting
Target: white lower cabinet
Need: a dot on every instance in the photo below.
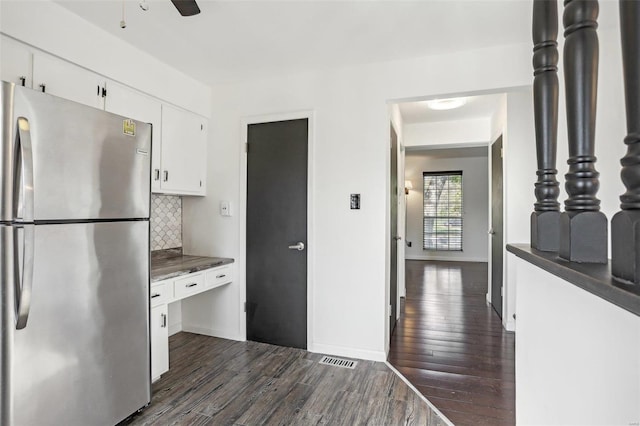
(164, 292)
(187, 286)
(159, 341)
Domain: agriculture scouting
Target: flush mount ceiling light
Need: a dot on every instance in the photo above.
(144, 5)
(444, 104)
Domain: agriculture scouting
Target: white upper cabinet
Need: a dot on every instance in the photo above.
(178, 154)
(16, 62)
(69, 81)
(130, 103)
(183, 157)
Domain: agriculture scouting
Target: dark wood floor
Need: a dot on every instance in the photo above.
(222, 382)
(451, 345)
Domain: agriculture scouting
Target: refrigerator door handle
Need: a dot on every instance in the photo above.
(23, 276)
(24, 182)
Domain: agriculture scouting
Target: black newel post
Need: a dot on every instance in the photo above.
(545, 220)
(583, 227)
(625, 232)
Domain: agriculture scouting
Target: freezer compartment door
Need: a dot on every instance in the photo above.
(83, 357)
(83, 163)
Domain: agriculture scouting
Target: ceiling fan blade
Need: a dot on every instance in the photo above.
(186, 7)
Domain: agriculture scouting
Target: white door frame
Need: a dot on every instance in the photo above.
(310, 243)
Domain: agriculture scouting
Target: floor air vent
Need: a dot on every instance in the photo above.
(338, 362)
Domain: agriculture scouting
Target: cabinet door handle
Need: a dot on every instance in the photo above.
(220, 276)
(153, 296)
(156, 173)
(166, 175)
(23, 80)
(43, 87)
(191, 285)
(164, 320)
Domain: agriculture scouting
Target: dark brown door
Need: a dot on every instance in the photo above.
(497, 242)
(277, 233)
(393, 291)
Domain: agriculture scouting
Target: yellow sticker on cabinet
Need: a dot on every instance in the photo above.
(129, 127)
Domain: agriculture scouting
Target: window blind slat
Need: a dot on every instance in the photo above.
(442, 212)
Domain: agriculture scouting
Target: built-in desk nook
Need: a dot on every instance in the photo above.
(174, 277)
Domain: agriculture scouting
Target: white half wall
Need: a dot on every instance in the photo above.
(475, 192)
(577, 356)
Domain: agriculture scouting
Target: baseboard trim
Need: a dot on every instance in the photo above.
(417, 392)
(175, 328)
(447, 259)
(510, 325)
(223, 334)
(347, 352)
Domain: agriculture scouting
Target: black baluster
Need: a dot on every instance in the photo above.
(583, 227)
(625, 232)
(545, 220)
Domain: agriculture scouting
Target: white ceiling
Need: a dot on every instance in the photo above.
(476, 107)
(238, 39)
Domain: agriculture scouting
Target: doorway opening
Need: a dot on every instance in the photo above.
(449, 340)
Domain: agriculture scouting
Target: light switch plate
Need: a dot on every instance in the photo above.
(225, 208)
(354, 201)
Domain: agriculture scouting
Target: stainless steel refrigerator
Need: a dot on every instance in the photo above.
(74, 262)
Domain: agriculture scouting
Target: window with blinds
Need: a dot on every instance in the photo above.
(442, 219)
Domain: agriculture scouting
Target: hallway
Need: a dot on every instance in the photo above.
(451, 345)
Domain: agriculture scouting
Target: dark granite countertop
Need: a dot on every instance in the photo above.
(172, 263)
(594, 278)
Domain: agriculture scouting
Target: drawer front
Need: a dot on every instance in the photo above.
(219, 276)
(160, 293)
(191, 284)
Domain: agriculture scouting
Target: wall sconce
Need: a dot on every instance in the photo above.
(407, 186)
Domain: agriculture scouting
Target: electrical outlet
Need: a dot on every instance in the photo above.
(225, 208)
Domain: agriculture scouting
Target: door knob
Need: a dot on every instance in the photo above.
(397, 237)
(299, 246)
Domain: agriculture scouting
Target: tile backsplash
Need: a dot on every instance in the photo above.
(166, 221)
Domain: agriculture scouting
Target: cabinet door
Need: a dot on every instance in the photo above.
(159, 341)
(69, 81)
(15, 62)
(132, 104)
(183, 152)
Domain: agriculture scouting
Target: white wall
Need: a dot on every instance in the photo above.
(475, 203)
(351, 154)
(398, 125)
(452, 134)
(51, 28)
(577, 356)
(519, 174)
